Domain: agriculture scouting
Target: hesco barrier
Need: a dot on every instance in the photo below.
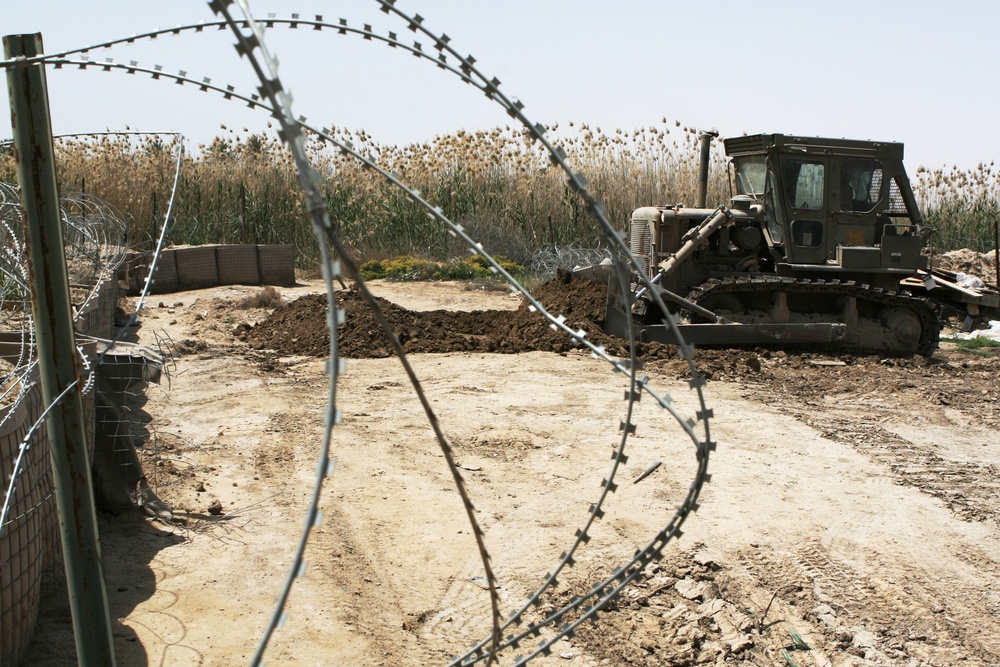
(97, 315)
(211, 265)
(30, 551)
(23, 544)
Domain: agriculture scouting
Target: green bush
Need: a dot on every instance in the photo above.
(976, 346)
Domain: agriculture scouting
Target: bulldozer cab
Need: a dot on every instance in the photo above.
(833, 203)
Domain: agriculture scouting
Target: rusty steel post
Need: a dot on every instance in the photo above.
(57, 355)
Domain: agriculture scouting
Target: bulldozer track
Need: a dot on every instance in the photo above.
(744, 287)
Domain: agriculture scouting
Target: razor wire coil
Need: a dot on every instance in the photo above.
(273, 98)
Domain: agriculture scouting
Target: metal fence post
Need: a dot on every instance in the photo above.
(57, 360)
(156, 233)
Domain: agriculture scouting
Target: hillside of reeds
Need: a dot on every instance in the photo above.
(241, 188)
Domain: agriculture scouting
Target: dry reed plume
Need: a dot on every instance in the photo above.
(241, 188)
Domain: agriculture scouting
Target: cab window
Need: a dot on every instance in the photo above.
(750, 175)
(860, 185)
(805, 183)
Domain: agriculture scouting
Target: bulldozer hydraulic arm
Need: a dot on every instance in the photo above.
(697, 237)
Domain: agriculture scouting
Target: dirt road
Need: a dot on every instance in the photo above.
(853, 516)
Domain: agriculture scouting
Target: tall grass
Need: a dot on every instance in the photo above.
(241, 188)
(962, 205)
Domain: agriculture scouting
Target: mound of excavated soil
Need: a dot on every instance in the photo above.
(980, 264)
(300, 327)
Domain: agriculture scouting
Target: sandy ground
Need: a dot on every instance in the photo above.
(853, 516)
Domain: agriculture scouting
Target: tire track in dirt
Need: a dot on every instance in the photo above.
(814, 595)
(900, 611)
(867, 405)
(463, 613)
(369, 612)
(953, 600)
(397, 626)
(969, 490)
(897, 613)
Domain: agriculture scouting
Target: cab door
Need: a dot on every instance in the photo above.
(805, 185)
(858, 203)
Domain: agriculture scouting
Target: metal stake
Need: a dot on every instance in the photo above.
(996, 248)
(155, 232)
(243, 213)
(57, 360)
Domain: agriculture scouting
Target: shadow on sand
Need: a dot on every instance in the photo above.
(129, 543)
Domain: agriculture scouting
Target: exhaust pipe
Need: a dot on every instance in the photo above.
(706, 150)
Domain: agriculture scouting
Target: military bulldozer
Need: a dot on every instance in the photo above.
(822, 244)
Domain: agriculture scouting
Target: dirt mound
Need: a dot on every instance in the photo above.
(949, 378)
(300, 327)
(979, 264)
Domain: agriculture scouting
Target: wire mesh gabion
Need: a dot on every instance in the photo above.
(30, 554)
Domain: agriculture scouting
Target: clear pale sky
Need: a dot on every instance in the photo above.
(919, 72)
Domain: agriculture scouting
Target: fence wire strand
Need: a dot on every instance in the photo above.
(273, 98)
(271, 88)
